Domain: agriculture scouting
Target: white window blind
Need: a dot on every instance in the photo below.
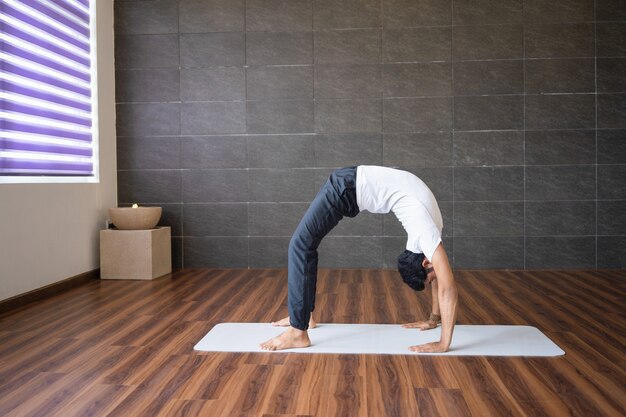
(46, 108)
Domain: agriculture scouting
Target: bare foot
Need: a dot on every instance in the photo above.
(292, 338)
(422, 325)
(433, 347)
(286, 323)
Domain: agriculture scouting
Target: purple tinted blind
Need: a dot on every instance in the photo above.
(45, 88)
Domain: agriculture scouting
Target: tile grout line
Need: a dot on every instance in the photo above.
(247, 134)
(524, 136)
(595, 64)
(180, 145)
(452, 133)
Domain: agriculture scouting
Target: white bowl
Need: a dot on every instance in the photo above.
(135, 218)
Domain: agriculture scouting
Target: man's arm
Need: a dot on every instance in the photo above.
(447, 297)
(435, 299)
(435, 315)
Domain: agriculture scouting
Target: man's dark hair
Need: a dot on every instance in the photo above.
(411, 269)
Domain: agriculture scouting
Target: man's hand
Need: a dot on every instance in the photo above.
(447, 297)
(434, 347)
(422, 325)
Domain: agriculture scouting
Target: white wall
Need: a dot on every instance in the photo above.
(49, 232)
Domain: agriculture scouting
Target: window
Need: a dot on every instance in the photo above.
(48, 124)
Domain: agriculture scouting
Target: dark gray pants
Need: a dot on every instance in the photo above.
(335, 200)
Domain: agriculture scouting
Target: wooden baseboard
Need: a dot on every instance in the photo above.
(48, 291)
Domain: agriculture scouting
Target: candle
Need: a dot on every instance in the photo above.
(135, 205)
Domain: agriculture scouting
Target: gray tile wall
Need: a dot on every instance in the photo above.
(231, 114)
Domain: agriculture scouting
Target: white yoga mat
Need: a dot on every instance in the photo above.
(385, 339)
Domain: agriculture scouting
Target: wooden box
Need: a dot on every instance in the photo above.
(135, 254)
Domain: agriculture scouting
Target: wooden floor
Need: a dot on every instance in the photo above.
(111, 348)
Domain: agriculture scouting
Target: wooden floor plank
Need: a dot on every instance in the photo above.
(24, 389)
(578, 392)
(343, 395)
(430, 372)
(218, 371)
(54, 398)
(393, 394)
(484, 392)
(607, 376)
(188, 408)
(125, 348)
(309, 398)
(96, 400)
(441, 402)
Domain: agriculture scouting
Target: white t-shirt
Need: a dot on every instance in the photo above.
(382, 189)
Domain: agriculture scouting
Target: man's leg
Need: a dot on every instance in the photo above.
(302, 284)
(336, 199)
(320, 218)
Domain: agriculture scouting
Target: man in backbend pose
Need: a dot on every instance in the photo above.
(377, 190)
